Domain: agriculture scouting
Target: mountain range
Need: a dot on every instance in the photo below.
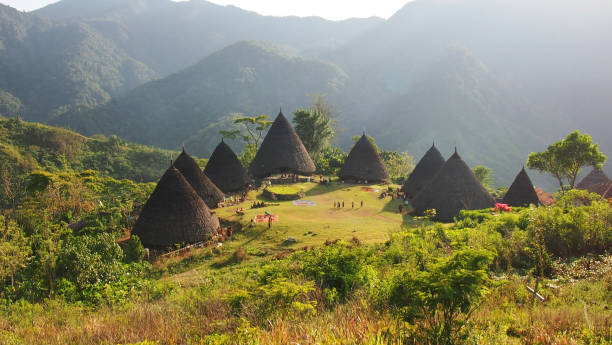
(496, 78)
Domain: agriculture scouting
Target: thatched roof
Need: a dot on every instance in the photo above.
(454, 188)
(205, 188)
(174, 214)
(225, 171)
(425, 170)
(545, 198)
(596, 176)
(363, 163)
(281, 151)
(521, 192)
(604, 189)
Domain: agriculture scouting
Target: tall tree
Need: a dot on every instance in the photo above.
(483, 174)
(566, 158)
(251, 130)
(315, 125)
(14, 250)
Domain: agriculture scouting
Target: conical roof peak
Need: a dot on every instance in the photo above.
(596, 176)
(174, 214)
(203, 186)
(454, 188)
(364, 163)
(282, 151)
(425, 170)
(522, 192)
(225, 170)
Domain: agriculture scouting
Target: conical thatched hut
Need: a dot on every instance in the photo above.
(454, 188)
(596, 176)
(174, 214)
(363, 163)
(425, 170)
(604, 189)
(205, 188)
(521, 192)
(282, 151)
(225, 171)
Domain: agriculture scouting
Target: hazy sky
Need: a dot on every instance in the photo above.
(330, 9)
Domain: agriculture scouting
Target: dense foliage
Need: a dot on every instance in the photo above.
(26, 147)
(61, 240)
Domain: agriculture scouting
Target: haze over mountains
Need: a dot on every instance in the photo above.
(497, 78)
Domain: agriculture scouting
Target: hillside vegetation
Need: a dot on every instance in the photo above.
(246, 77)
(422, 283)
(26, 147)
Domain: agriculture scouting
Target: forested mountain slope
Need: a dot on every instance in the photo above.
(247, 77)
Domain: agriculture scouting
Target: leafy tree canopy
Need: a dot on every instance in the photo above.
(566, 158)
(315, 126)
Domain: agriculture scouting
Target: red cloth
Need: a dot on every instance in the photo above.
(263, 218)
(502, 208)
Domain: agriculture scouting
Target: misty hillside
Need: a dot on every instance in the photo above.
(457, 102)
(247, 77)
(499, 79)
(555, 55)
(51, 66)
(169, 36)
(81, 53)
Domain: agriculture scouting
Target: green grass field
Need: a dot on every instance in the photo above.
(313, 225)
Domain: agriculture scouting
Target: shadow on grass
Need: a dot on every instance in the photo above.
(407, 213)
(326, 188)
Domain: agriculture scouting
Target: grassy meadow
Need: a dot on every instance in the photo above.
(313, 225)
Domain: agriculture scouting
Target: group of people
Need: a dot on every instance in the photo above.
(258, 204)
(223, 233)
(340, 204)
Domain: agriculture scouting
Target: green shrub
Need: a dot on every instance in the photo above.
(440, 299)
(133, 251)
(578, 225)
(335, 266)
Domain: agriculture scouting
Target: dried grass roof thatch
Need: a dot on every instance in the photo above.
(521, 192)
(454, 188)
(364, 163)
(281, 151)
(205, 188)
(545, 198)
(604, 189)
(225, 170)
(596, 176)
(425, 170)
(174, 214)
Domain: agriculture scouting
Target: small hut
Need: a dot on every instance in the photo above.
(596, 176)
(521, 193)
(281, 152)
(205, 188)
(363, 163)
(225, 170)
(425, 170)
(174, 214)
(454, 188)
